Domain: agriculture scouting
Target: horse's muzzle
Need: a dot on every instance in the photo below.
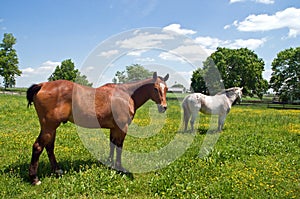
(161, 108)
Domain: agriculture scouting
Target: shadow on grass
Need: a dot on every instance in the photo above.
(200, 130)
(204, 131)
(44, 170)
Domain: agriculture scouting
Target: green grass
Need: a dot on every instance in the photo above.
(256, 156)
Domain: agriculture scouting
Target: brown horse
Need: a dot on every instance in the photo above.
(111, 106)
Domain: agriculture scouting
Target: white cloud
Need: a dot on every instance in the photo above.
(45, 68)
(235, 1)
(256, 1)
(210, 44)
(144, 59)
(136, 53)
(109, 53)
(192, 53)
(177, 28)
(2, 27)
(39, 74)
(170, 56)
(196, 50)
(246, 43)
(227, 27)
(143, 40)
(288, 18)
(265, 1)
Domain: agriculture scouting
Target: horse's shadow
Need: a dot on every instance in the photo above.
(44, 170)
(201, 131)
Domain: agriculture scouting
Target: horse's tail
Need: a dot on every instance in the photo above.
(32, 90)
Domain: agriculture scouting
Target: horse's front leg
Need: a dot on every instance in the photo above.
(119, 159)
(112, 147)
(221, 122)
(117, 137)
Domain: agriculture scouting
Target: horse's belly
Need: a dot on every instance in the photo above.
(210, 111)
(88, 118)
(91, 122)
(206, 111)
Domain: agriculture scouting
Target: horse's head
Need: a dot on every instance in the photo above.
(239, 93)
(160, 92)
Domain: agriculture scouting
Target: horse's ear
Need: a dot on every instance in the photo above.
(242, 88)
(166, 77)
(155, 75)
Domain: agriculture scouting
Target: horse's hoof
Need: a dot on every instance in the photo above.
(107, 162)
(122, 170)
(36, 182)
(59, 172)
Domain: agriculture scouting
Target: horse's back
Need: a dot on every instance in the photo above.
(203, 103)
(192, 101)
(54, 92)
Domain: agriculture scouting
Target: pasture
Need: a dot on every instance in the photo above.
(256, 156)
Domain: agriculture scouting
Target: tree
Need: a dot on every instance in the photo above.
(67, 71)
(198, 84)
(133, 72)
(237, 67)
(9, 61)
(285, 78)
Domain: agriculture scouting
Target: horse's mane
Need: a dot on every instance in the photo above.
(226, 91)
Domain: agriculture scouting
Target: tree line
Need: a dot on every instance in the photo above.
(225, 67)
(243, 68)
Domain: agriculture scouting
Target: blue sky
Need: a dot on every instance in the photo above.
(49, 32)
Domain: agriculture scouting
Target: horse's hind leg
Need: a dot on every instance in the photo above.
(186, 117)
(51, 156)
(37, 149)
(45, 139)
(194, 116)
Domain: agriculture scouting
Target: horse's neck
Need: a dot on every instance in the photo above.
(140, 92)
(232, 97)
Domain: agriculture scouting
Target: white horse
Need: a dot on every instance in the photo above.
(218, 104)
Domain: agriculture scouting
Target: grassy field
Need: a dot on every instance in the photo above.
(256, 156)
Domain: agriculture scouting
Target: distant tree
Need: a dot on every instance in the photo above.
(67, 71)
(198, 84)
(82, 79)
(133, 73)
(285, 78)
(120, 77)
(237, 67)
(9, 61)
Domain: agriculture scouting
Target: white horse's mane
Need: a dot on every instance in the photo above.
(225, 91)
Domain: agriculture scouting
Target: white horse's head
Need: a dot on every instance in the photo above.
(234, 94)
(238, 93)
